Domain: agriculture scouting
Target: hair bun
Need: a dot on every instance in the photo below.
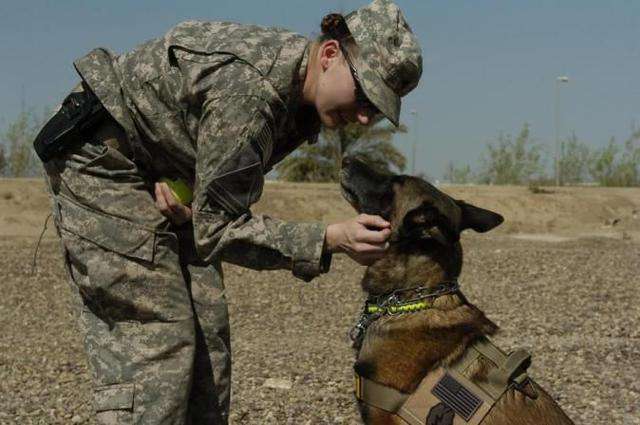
(335, 26)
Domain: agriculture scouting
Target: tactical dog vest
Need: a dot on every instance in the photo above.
(446, 396)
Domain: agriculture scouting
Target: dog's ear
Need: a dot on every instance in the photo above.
(478, 219)
(426, 221)
(414, 222)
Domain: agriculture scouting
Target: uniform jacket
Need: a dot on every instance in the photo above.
(218, 104)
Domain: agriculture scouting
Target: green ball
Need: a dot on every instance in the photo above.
(180, 190)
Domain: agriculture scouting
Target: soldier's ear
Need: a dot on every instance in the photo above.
(478, 219)
(329, 53)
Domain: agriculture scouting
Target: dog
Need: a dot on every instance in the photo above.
(397, 353)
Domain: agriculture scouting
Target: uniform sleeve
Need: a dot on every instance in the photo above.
(234, 144)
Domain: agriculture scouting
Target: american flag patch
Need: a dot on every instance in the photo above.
(457, 396)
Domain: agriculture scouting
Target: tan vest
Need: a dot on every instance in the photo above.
(446, 395)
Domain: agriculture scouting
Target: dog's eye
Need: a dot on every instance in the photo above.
(430, 214)
(387, 198)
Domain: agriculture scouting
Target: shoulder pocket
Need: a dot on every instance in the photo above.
(182, 53)
(109, 232)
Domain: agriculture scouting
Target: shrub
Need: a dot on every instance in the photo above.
(17, 157)
(512, 161)
(458, 174)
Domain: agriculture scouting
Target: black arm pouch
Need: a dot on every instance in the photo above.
(80, 112)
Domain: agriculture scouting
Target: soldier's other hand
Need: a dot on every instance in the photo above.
(363, 238)
(169, 206)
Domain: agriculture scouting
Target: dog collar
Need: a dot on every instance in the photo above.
(395, 309)
(393, 303)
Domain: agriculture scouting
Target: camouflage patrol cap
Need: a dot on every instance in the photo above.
(389, 58)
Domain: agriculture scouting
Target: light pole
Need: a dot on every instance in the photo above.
(415, 141)
(561, 79)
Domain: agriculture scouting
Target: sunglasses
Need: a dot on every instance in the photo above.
(361, 98)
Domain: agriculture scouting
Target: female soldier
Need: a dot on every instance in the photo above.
(217, 105)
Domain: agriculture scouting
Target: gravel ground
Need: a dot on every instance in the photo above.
(574, 304)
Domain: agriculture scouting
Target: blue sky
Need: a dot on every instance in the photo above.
(489, 65)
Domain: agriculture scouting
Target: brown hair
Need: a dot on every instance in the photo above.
(334, 27)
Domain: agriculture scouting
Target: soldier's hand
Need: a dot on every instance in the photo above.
(363, 238)
(169, 206)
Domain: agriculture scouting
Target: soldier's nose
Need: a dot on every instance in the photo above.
(368, 115)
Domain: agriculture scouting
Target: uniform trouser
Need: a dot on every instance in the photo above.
(154, 319)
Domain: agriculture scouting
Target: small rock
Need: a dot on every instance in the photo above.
(76, 419)
(278, 383)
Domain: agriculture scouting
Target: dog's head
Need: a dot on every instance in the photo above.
(424, 220)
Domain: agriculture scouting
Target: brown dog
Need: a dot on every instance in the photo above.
(397, 351)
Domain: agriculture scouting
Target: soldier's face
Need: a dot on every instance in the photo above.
(335, 99)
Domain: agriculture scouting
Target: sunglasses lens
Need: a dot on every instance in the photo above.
(361, 98)
(363, 101)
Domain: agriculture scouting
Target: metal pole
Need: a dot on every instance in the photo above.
(558, 170)
(415, 141)
(555, 125)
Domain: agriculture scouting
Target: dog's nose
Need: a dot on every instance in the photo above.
(346, 161)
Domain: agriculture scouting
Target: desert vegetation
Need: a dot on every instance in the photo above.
(17, 157)
(508, 159)
(520, 160)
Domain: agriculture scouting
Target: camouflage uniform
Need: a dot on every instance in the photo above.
(218, 105)
(152, 309)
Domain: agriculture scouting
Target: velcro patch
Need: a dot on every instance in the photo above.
(457, 396)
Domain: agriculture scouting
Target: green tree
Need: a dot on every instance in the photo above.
(574, 161)
(628, 170)
(602, 164)
(614, 165)
(457, 174)
(3, 161)
(18, 158)
(310, 163)
(511, 161)
(321, 162)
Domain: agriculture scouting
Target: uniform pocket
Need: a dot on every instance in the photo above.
(122, 270)
(107, 153)
(83, 156)
(109, 232)
(114, 404)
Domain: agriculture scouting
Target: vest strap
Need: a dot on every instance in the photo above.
(378, 395)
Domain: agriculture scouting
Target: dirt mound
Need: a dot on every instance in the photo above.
(567, 211)
(24, 205)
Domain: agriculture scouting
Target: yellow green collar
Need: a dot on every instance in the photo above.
(398, 308)
(422, 299)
